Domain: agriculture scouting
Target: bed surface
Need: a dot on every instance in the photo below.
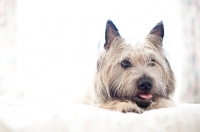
(83, 118)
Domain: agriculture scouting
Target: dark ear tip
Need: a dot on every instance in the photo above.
(158, 29)
(160, 24)
(109, 22)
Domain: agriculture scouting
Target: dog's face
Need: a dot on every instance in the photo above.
(133, 71)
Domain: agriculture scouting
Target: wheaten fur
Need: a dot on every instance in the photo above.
(116, 87)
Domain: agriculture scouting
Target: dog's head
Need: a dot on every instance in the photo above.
(133, 71)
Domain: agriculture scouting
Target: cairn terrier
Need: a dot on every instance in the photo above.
(133, 77)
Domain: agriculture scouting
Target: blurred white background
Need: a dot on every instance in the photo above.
(57, 42)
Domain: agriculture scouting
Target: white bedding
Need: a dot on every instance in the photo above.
(84, 118)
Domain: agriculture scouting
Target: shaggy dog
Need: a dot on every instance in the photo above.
(133, 77)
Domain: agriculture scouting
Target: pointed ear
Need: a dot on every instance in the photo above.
(110, 34)
(158, 30)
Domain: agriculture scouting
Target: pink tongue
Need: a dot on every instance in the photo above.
(145, 96)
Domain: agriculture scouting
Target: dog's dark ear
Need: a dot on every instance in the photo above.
(158, 30)
(110, 34)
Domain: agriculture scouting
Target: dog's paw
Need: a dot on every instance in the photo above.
(128, 106)
(161, 103)
(122, 106)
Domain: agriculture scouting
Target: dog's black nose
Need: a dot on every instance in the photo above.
(145, 83)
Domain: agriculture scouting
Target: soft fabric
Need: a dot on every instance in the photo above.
(84, 118)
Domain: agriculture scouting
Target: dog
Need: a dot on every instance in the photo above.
(133, 77)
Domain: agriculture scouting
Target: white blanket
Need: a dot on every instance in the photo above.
(84, 118)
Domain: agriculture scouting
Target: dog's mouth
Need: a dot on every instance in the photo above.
(143, 99)
(145, 95)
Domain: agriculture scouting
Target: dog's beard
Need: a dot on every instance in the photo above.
(130, 91)
(143, 103)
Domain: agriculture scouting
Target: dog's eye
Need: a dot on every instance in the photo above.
(152, 62)
(125, 64)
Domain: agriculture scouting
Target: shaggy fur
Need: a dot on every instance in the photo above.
(123, 65)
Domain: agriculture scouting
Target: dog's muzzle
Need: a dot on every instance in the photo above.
(145, 85)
